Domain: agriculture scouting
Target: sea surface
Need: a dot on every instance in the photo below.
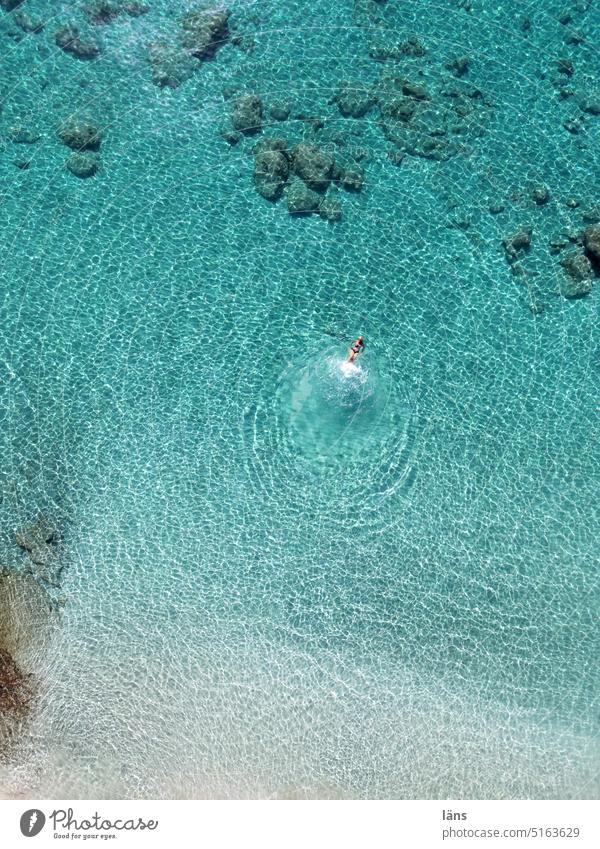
(280, 577)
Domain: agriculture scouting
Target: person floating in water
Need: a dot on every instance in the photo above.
(356, 348)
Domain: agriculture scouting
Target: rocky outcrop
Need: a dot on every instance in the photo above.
(280, 110)
(28, 23)
(578, 281)
(171, 65)
(83, 165)
(80, 134)
(313, 165)
(204, 31)
(354, 99)
(352, 178)
(100, 12)
(422, 123)
(517, 243)
(69, 40)
(540, 194)
(271, 169)
(246, 115)
(22, 135)
(330, 208)
(301, 200)
(591, 241)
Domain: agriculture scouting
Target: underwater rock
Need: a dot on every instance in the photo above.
(271, 143)
(67, 38)
(459, 66)
(591, 214)
(80, 134)
(83, 165)
(9, 5)
(417, 92)
(246, 115)
(540, 194)
(352, 178)
(312, 165)
(135, 9)
(101, 11)
(517, 243)
(22, 164)
(565, 66)
(580, 275)
(386, 47)
(204, 31)
(22, 135)
(591, 240)
(302, 200)
(330, 208)
(230, 136)
(590, 103)
(496, 207)
(271, 171)
(171, 65)
(40, 541)
(280, 110)
(354, 99)
(395, 156)
(28, 23)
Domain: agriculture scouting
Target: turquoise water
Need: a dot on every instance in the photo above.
(283, 578)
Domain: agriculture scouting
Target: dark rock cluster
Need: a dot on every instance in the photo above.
(171, 65)
(309, 176)
(101, 12)
(68, 39)
(28, 23)
(84, 137)
(203, 31)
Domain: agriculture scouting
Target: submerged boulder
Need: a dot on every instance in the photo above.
(330, 208)
(354, 99)
(591, 240)
(9, 5)
(83, 165)
(28, 23)
(80, 134)
(352, 178)
(68, 39)
(517, 243)
(204, 31)
(579, 275)
(246, 115)
(171, 65)
(313, 165)
(271, 171)
(101, 11)
(301, 200)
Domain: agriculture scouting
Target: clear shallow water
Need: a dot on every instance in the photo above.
(282, 579)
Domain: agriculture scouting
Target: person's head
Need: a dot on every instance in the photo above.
(360, 340)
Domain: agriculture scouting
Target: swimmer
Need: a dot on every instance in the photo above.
(356, 348)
